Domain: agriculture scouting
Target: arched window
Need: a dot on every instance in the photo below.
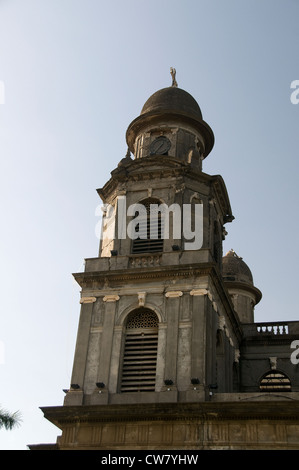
(140, 352)
(275, 381)
(146, 244)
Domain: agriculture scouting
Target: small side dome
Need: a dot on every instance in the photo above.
(235, 269)
(172, 99)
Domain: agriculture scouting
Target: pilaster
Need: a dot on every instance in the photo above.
(172, 315)
(82, 341)
(75, 396)
(198, 342)
(107, 338)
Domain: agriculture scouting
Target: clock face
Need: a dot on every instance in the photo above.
(160, 146)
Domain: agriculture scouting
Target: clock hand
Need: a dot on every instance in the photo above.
(160, 146)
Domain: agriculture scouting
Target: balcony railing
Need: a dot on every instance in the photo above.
(276, 328)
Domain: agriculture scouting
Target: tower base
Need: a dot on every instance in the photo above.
(250, 425)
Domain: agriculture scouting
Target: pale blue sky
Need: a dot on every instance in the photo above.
(76, 73)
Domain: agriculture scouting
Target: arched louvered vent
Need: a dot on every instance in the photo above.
(146, 244)
(275, 381)
(140, 352)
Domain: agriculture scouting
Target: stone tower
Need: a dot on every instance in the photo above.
(160, 328)
(151, 307)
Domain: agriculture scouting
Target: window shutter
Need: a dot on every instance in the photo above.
(149, 245)
(275, 381)
(140, 352)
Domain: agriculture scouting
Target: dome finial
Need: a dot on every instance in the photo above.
(173, 74)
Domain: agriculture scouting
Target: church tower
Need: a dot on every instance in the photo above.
(152, 305)
(161, 316)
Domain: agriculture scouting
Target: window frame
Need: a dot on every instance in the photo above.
(140, 352)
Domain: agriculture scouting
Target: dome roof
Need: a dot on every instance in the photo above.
(234, 268)
(172, 99)
(174, 105)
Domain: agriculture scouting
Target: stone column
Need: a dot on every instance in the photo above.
(171, 353)
(198, 343)
(82, 340)
(79, 365)
(107, 338)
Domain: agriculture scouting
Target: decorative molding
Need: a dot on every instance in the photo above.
(221, 322)
(86, 278)
(180, 189)
(199, 292)
(96, 329)
(141, 298)
(99, 280)
(273, 362)
(144, 261)
(111, 298)
(205, 292)
(196, 195)
(174, 293)
(87, 300)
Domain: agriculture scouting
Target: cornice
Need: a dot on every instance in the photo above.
(204, 412)
(222, 196)
(155, 167)
(152, 118)
(263, 339)
(245, 287)
(144, 169)
(100, 279)
(129, 274)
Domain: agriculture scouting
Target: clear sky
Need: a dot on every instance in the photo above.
(75, 73)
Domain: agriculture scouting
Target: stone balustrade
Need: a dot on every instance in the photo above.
(271, 328)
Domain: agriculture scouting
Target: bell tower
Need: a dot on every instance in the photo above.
(154, 307)
(168, 356)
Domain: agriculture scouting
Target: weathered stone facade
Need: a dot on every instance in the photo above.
(202, 382)
(238, 425)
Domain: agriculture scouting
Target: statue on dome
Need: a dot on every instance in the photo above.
(173, 74)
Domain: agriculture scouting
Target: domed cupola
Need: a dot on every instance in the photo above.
(235, 269)
(239, 282)
(173, 100)
(171, 123)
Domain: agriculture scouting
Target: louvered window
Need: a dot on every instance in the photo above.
(140, 352)
(146, 244)
(275, 381)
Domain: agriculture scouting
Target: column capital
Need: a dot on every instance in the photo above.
(174, 293)
(199, 292)
(111, 298)
(87, 300)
